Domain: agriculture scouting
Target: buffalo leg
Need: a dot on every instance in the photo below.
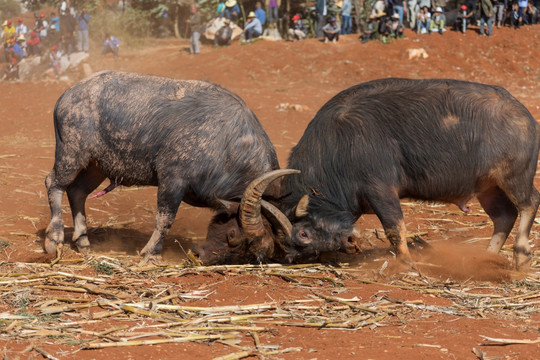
(86, 182)
(388, 210)
(527, 212)
(169, 200)
(502, 212)
(58, 180)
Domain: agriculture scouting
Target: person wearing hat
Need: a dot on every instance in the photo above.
(54, 57)
(470, 17)
(9, 32)
(398, 8)
(12, 70)
(331, 31)
(383, 25)
(194, 23)
(33, 45)
(422, 20)
(370, 30)
(437, 21)
(486, 16)
(21, 28)
(13, 50)
(223, 36)
(232, 10)
(21, 41)
(396, 27)
(253, 27)
(298, 30)
(461, 20)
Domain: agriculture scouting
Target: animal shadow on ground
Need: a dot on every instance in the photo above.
(123, 241)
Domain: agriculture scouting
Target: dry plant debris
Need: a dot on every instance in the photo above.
(62, 302)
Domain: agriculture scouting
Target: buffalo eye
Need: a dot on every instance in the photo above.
(303, 237)
(232, 238)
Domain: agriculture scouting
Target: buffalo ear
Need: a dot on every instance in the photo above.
(230, 206)
(232, 238)
(301, 208)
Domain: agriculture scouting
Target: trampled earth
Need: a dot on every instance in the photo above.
(463, 304)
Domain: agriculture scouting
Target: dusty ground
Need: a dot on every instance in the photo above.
(442, 313)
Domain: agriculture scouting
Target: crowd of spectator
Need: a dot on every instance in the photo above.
(49, 37)
(387, 20)
(55, 35)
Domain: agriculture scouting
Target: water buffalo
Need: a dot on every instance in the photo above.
(433, 139)
(196, 141)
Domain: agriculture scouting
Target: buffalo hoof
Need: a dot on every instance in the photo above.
(51, 246)
(83, 245)
(407, 262)
(522, 259)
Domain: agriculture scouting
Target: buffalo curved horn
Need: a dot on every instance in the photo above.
(250, 205)
(277, 217)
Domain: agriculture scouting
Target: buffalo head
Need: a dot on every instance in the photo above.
(248, 231)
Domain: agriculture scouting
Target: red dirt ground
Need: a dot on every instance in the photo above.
(268, 76)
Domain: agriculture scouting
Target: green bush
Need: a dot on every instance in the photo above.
(9, 9)
(132, 26)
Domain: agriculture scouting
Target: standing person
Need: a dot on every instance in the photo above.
(260, 13)
(499, 12)
(84, 19)
(273, 7)
(331, 31)
(21, 28)
(67, 28)
(253, 27)
(43, 29)
(194, 22)
(110, 45)
(486, 16)
(322, 10)
(412, 10)
(298, 30)
(346, 22)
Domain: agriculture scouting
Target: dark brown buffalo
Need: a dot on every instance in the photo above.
(196, 141)
(433, 139)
